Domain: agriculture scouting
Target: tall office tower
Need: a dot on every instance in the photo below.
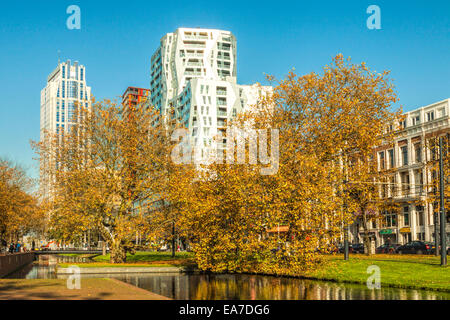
(193, 82)
(66, 88)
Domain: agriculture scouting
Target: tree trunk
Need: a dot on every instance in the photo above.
(366, 240)
(367, 244)
(173, 239)
(118, 252)
(104, 248)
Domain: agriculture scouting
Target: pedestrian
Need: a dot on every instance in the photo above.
(18, 247)
(4, 245)
(33, 245)
(11, 248)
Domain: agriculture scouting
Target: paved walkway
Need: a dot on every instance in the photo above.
(56, 289)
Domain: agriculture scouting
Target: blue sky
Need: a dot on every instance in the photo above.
(117, 39)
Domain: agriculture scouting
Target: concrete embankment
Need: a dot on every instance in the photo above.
(57, 289)
(109, 270)
(11, 262)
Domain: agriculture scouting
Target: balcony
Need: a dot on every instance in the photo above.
(221, 102)
(194, 64)
(221, 92)
(224, 47)
(194, 37)
(192, 73)
(221, 113)
(194, 54)
(221, 123)
(195, 45)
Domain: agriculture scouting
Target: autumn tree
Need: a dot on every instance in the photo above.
(432, 169)
(104, 170)
(322, 121)
(19, 210)
(345, 114)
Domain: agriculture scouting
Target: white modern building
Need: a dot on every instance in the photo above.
(410, 180)
(66, 88)
(193, 82)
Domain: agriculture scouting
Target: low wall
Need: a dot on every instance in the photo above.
(11, 262)
(109, 270)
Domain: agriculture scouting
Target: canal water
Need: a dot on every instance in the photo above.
(233, 286)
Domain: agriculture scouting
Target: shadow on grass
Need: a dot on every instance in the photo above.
(430, 260)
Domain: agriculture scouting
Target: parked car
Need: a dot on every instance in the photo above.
(356, 248)
(416, 247)
(339, 248)
(388, 248)
(433, 249)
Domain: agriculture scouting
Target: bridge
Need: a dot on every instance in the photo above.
(69, 251)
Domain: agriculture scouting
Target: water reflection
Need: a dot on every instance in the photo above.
(253, 287)
(232, 286)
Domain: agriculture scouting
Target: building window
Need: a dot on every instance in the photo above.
(71, 111)
(381, 160)
(392, 190)
(416, 120)
(405, 183)
(419, 181)
(402, 124)
(391, 158)
(420, 216)
(390, 219)
(63, 107)
(406, 216)
(430, 116)
(73, 89)
(404, 150)
(418, 152)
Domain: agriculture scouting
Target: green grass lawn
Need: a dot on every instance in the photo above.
(144, 256)
(121, 265)
(80, 255)
(406, 271)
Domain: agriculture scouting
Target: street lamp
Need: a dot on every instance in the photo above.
(443, 220)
